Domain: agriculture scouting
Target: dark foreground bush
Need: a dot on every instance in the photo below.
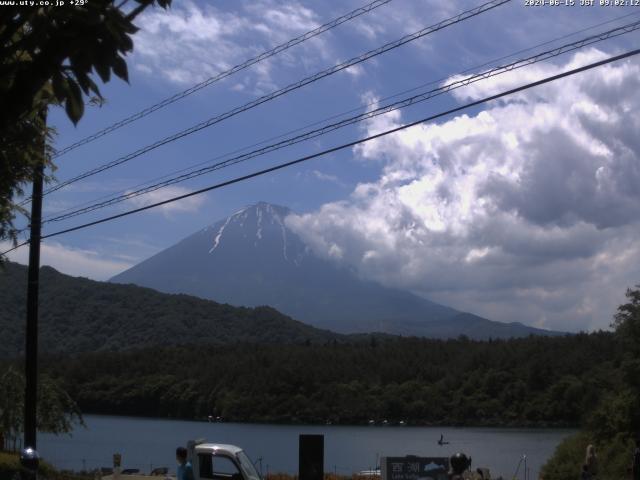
(10, 465)
(614, 458)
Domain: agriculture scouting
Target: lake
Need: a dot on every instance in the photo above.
(146, 443)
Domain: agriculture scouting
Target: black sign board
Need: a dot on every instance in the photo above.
(414, 468)
(311, 457)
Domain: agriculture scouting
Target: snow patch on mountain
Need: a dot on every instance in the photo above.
(216, 240)
(242, 213)
(259, 232)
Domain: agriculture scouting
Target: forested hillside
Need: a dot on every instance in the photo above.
(80, 315)
(611, 425)
(534, 381)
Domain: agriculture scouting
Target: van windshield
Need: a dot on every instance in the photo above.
(247, 467)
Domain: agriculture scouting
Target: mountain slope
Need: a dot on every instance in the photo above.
(80, 315)
(252, 258)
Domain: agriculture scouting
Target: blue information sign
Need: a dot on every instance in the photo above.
(414, 468)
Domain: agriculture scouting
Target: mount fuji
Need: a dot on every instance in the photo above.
(252, 258)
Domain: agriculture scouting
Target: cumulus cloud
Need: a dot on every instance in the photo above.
(73, 261)
(526, 211)
(189, 204)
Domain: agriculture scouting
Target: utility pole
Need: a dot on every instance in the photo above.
(31, 346)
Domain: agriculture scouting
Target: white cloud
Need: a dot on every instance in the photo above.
(131, 247)
(404, 17)
(355, 71)
(327, 177)
(192, 42)
(72, 261)
(281, 20)
(189, 204)
(527, 211)
(89, 186)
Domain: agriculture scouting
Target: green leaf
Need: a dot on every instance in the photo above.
(120, 68)
(103, 70)
(87, 84)
(74, 105)
(60, 87)
(126, 44)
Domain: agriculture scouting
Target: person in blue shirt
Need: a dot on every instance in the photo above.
(184, 470)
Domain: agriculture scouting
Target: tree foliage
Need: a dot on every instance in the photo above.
(627, 323)
(614, 457)
(81, 315)
(615, 419)
(568, 458)
(534, 381)
(49, 55)
(63, 47)
(56, 411)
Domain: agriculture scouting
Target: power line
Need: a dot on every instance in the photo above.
(128, 192)
(248, 63)
(343, 146)
(413, 100)
(294, 86)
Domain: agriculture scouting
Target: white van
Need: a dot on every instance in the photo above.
(215, 461)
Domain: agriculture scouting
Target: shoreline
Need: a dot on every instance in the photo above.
(146, 441)
(474, 426)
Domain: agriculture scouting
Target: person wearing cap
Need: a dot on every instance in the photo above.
(185, 470)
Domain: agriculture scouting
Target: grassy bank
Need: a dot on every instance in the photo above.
(10, 465)
(327, 476)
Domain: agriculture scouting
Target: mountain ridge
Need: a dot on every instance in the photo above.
(253, 258)
(80, 315)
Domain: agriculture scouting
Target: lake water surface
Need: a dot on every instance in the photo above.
(146, 443)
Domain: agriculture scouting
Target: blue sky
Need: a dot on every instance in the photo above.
(523, 210)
